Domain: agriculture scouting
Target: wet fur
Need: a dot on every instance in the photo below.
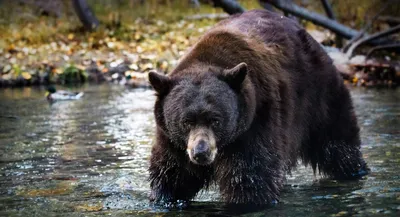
(293, 104)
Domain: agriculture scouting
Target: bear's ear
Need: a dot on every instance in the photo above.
(161, 83)
(236, 75)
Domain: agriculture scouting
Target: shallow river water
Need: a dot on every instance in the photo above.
(89, 158)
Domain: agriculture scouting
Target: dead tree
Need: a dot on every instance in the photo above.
(318, 19)
(85, 14)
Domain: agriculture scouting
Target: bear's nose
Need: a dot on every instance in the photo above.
(201, 152)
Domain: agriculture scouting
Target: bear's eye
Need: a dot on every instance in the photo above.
(187, 125)
(215, 123)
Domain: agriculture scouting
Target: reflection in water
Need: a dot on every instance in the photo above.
(90, 157)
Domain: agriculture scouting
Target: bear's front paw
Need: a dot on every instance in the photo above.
(168, 204)
(363, 171)
(178, 204)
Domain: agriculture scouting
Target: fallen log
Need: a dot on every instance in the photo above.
(366, 39)
(320, 20)
(382, 47)
(390, 20)
(316, 18)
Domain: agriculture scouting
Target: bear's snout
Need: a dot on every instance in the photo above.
(201, 146)
(201, 152)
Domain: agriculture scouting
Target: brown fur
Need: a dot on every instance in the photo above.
(291, 104)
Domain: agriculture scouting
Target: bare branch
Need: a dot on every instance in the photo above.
(328, 9)
(390, 19)
(366, 39)
(382, 47)
(366, 27)
(313, 17)
(319, 19)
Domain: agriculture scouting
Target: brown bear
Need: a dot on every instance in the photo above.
(250, 98)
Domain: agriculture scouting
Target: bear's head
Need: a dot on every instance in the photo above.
(203, 112)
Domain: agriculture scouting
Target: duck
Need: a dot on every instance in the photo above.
(53, 95)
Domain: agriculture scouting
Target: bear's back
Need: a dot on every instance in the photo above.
(274, 29)
(275, 37)
(296, 51)
(268, 26)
